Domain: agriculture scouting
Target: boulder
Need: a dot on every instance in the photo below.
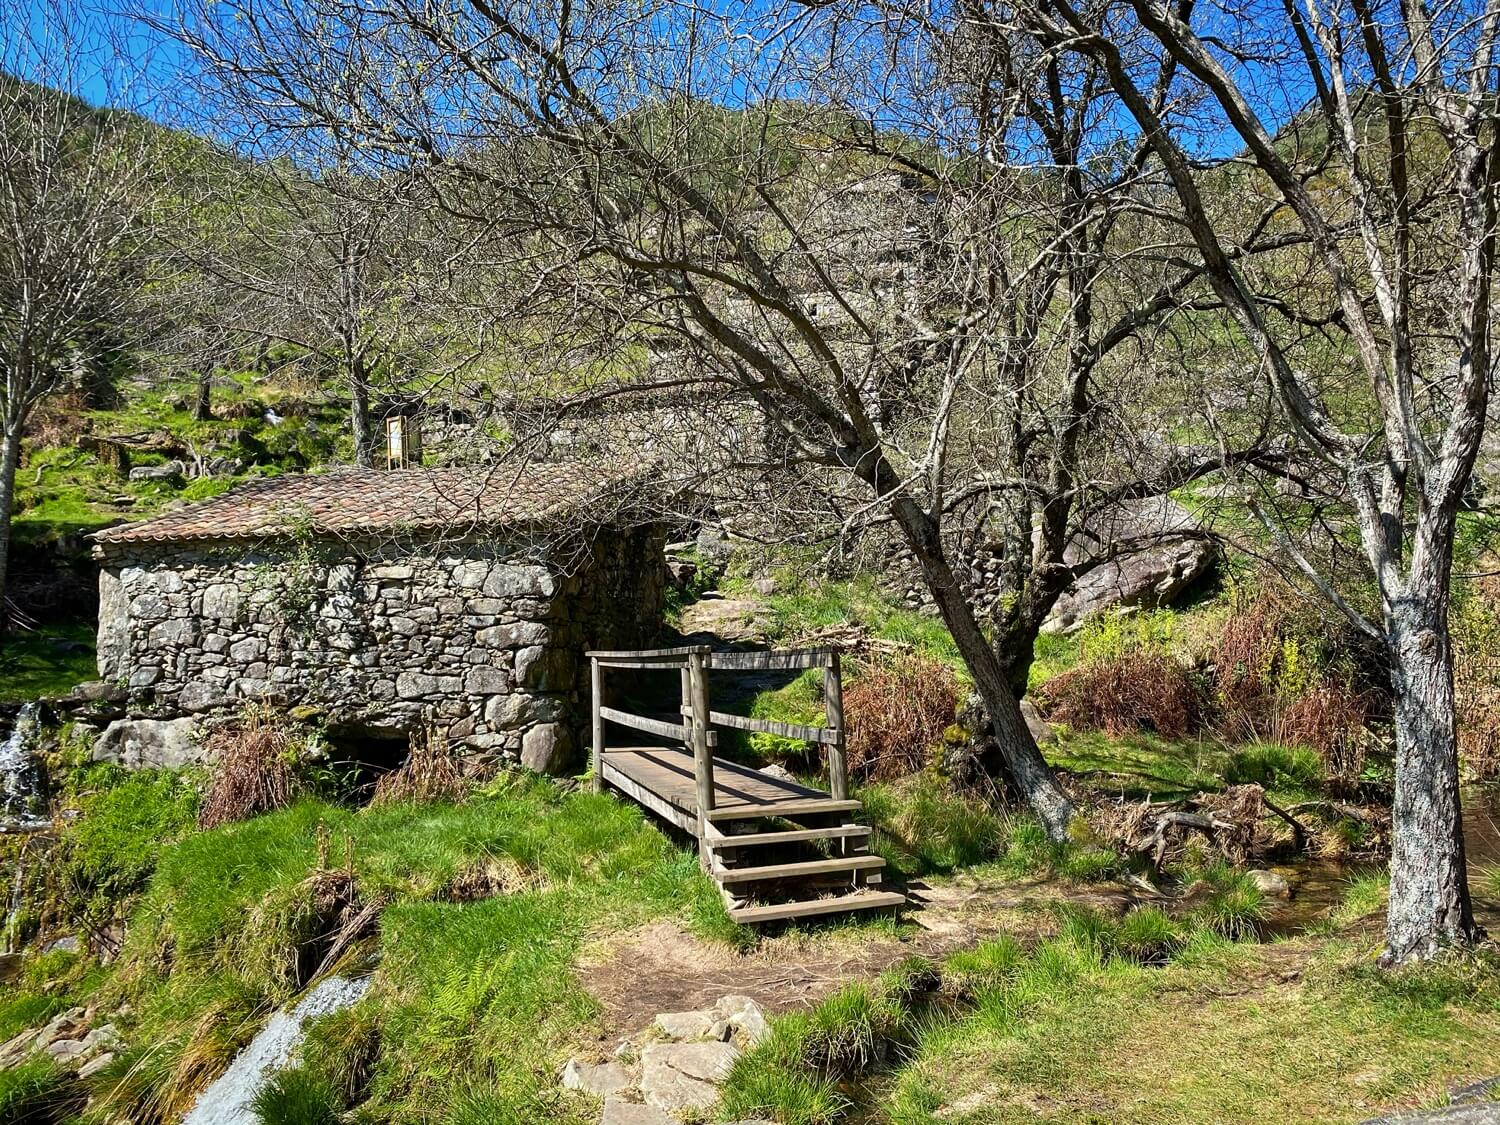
(731, 620)
(170, 471)
(139, 743)
(744, 1017)
(1168, 561)
(547, 748)
(1041, 730)
(686, 1025)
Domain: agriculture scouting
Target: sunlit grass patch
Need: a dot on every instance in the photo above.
(924, 826)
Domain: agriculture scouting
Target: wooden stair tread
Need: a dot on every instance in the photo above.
(783, 809)
(805, 907)
(750, 839)
(807, 867)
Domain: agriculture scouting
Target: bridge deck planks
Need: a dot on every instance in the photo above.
(667, 774)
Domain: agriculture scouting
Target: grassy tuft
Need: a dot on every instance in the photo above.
(1275, 767)
(1231, 903)
(923, 826)
(39, 1092)
(1028, 851)
(296, 1097)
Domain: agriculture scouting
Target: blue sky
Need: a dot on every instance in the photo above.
(106, 56)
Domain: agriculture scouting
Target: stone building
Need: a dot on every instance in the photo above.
(386, 600)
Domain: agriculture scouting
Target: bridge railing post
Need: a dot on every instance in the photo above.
(596, 692)
(833, 705)
(703, 762)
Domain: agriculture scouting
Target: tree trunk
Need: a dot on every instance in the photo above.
(1429, 906)
(203, 406)
(10, 458)
(1028, 770)
(359, 418)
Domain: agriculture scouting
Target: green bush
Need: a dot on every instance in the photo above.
(1275, 767)
(1232, 905)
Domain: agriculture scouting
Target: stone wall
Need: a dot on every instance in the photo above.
(483, 636)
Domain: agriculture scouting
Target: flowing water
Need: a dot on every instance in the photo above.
(1318, 885)
(227, 1101)
(22, 791)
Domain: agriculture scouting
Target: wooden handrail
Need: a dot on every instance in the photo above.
(772, 660)
(681, 732)
(825, 735)
(646, 653)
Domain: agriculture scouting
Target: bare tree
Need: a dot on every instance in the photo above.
(1400, 233)
(75, 214)
(887, 232)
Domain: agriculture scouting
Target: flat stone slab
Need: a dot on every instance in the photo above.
(1471, 1113)
(686, 1025)
(617, 1111)
(683, 1077)
(600, 1079)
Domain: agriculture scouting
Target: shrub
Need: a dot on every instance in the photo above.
(1476, 675)
(255, 769)
(431, 772)
(896, 712)
(1140, 690)
(1330, 717)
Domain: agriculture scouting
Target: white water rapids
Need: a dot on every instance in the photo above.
(227, 1101)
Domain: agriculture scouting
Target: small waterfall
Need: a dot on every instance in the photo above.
(22, 793)
(227, 1101)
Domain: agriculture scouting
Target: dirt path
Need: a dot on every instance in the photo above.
(664, 968)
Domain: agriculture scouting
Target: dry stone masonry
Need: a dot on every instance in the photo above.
(379, 634)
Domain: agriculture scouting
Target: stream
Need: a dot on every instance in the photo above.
(227, 1101)
(1318, 884)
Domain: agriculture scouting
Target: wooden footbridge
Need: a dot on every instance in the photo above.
(776, 848)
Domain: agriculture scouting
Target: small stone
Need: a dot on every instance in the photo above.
(95, 1065)
(69, 943)
(547, 748)
(685, 1025)
(486, 681)
(64, 1049)
(617, 1111)
(745, 1016)
(600, 1079)
(1270, 883)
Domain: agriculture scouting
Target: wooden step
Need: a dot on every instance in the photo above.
(808, 807)
(802, 908)
(791, 870)
(791, 835)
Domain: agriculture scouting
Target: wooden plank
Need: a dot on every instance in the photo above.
(639, 664)
(641, 795)
(783, 808)
(717, 839)
(752, 914)
(646, 653)
(794, 870)
(703, 761)
(681, 732)
(782, 660)
(771, 726)
(668, 772)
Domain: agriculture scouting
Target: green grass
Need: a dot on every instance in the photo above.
(48, 662)
(808, 606)
(1277, 768)
(1141, 765)
(1074, 1031)
(1366, 894)
(475, 1000)
(38, 1092)
(922, 826)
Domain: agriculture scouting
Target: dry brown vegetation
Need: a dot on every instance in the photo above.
(897, 711)
(254, 768)
(431, 772)
(1139, 690)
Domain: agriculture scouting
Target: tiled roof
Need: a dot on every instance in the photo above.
(355, 501)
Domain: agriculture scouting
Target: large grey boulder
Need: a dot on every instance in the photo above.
(547, 748)
(1162, 554)
(140, 743)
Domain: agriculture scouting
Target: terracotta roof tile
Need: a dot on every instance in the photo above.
(353, 501)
